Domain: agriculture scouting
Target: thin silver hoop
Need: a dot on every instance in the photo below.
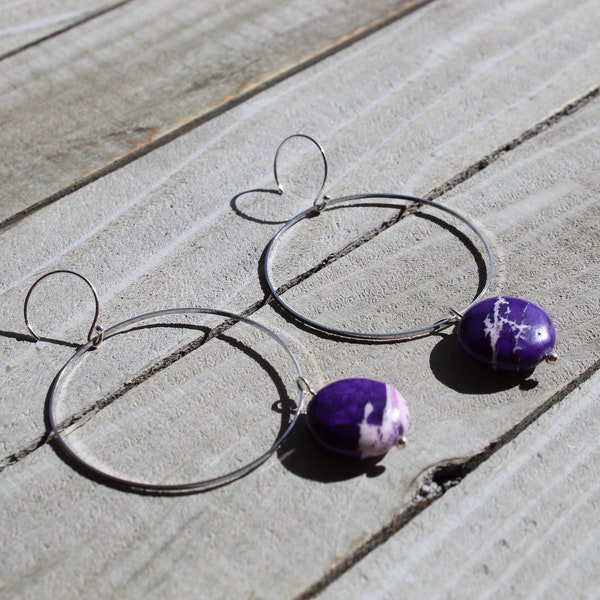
(177, 487)
(321, 205)
(142, 486)
(97, 339)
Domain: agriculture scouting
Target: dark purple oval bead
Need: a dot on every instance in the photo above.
(359, 418)
(508, 334)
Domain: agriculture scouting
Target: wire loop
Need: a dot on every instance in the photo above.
(304, 386)
(94, 327)
(319, 203)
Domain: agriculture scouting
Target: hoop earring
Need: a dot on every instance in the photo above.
(505, 333)
(103, 337)
(338, 417)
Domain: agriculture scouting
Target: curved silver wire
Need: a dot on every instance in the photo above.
(94, 328)
(358, 335)
(318, 202)
(199, 485)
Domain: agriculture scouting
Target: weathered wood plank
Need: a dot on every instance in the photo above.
(524, 525)
(164, 236)
(26, 22)
(110, 88)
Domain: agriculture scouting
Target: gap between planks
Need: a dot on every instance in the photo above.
(404, 10)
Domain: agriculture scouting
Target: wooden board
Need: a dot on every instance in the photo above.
(172, 229)
(180, 205)
(117, 86)
(524, 525)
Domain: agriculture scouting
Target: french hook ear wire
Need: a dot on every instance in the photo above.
(320, 201)
(96, 332)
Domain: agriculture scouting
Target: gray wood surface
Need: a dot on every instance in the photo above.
(120, 84)
(491, 108)
(520, 526)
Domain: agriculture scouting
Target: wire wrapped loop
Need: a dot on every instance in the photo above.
(94, 327)
(319, 202)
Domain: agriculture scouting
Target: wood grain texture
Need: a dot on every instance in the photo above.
(170, 229)
(105, 91)
(524, 525)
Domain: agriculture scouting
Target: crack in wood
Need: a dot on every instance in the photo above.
(25, 451)
(85, 19)
(348, 248)
(486, 161)
(437, 482)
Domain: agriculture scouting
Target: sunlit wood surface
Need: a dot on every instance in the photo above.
(137, 149)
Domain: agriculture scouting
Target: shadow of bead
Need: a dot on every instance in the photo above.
(455, 369)
(302, 455)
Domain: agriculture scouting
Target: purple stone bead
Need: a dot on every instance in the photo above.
(509, 334)
(359, 418)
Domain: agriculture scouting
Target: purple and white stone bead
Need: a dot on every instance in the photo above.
(508, 334)
(359, 418)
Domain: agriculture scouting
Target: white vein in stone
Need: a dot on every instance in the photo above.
(495, 322)
(375, 440)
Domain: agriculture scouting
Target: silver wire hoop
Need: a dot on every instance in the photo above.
(358, 335)
(141, 486)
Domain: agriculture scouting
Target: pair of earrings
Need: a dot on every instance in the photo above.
(356, 418)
